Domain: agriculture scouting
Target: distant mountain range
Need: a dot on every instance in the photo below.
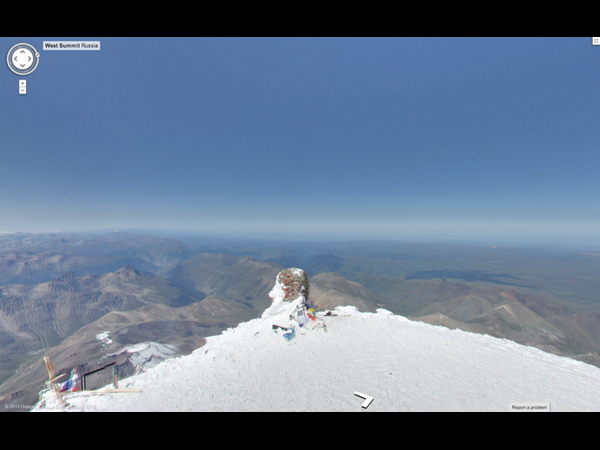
(68, 312)
(244, 279)
(497, 311)
(329, 290)
(31, 259)
(57, 294)
(507, 313)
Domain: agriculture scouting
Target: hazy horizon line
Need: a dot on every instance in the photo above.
(505, 240)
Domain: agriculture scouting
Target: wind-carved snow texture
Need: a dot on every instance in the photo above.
(403, 365)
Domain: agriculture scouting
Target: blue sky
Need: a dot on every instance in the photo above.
(424, 138)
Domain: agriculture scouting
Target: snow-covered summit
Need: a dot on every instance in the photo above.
(403, 365)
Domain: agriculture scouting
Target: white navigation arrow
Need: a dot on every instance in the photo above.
(368, 399)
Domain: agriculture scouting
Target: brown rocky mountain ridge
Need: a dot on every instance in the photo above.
(69, 311)
(507, 313)
(502, 312)
(244, 279)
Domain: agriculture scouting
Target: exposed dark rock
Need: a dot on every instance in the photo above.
(295, 284)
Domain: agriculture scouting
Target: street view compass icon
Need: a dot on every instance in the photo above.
(22, 59)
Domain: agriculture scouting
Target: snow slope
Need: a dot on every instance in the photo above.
(404, 365)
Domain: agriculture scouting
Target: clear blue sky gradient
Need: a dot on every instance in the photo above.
(449, 138)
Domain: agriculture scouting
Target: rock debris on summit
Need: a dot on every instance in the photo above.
(295, 284)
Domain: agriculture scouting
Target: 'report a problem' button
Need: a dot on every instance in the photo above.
(529, 407)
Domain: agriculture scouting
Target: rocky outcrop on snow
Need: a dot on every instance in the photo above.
(295, 284)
